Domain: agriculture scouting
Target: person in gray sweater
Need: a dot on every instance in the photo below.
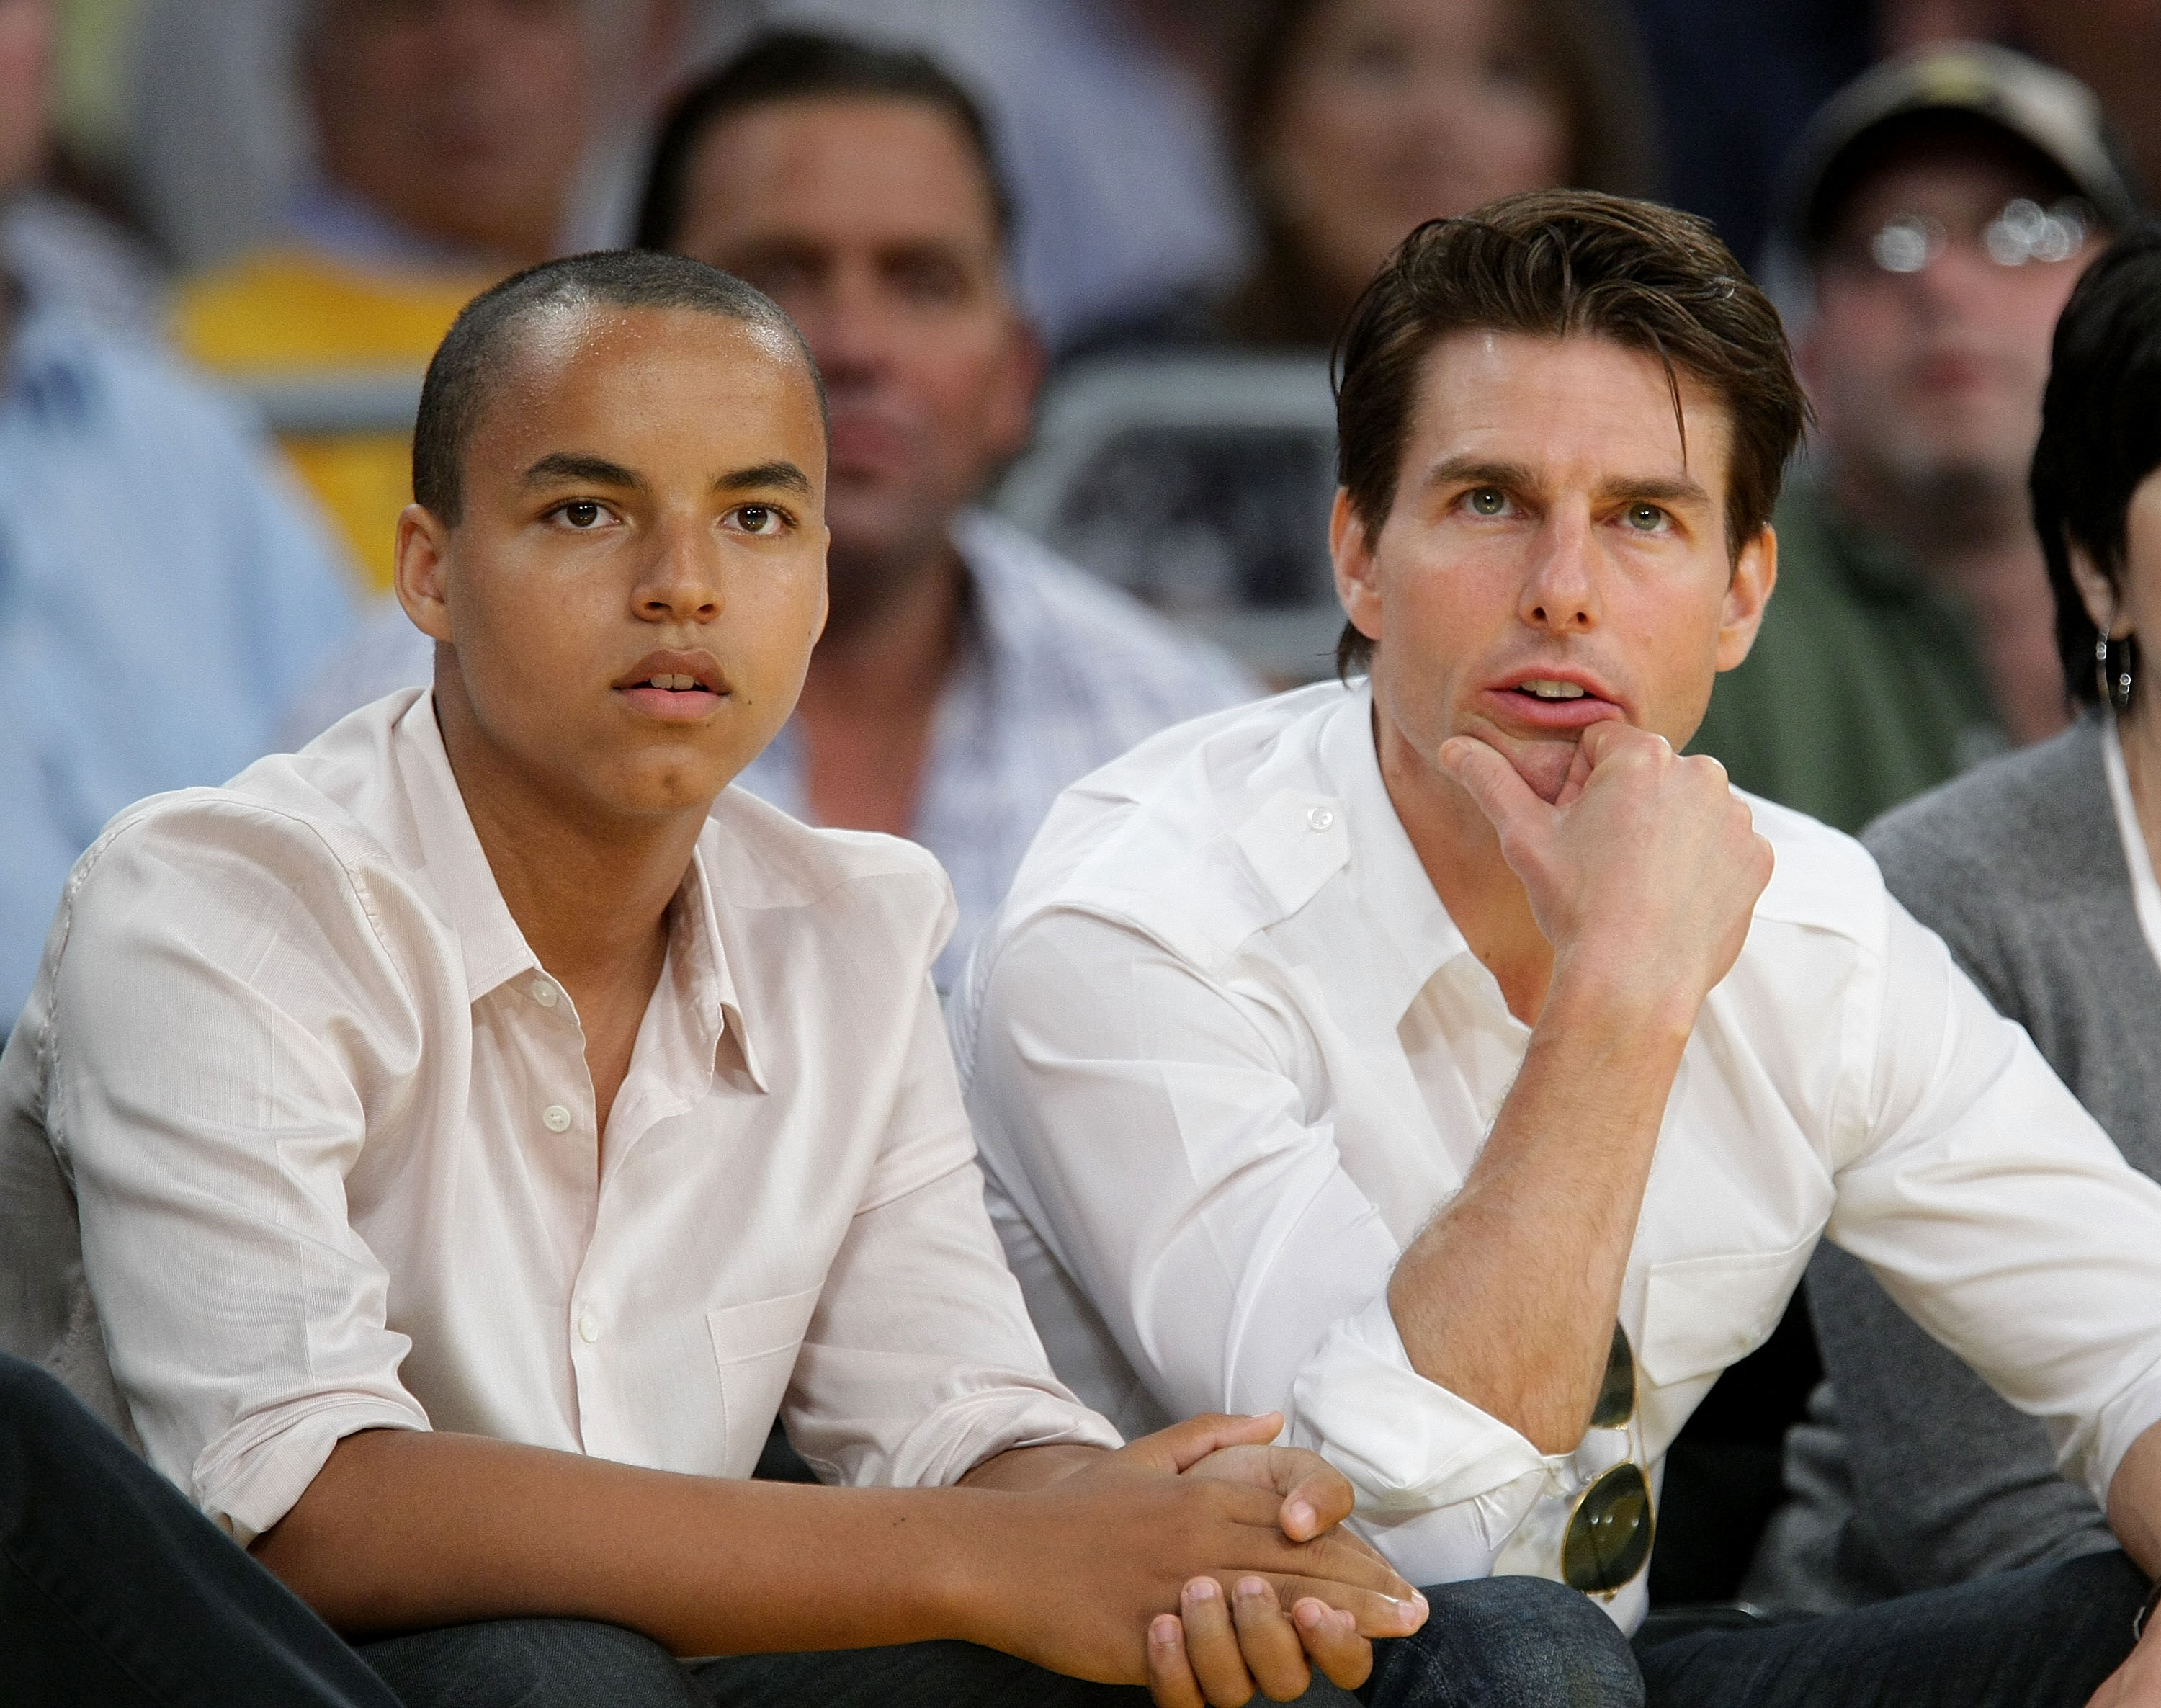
(2037, 870)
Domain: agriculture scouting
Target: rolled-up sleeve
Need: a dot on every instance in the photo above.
(217, 973)
(1999, 1216)
(920, 1361)
(1148, 1122)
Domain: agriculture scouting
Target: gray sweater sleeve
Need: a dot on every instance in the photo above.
(2018, 867)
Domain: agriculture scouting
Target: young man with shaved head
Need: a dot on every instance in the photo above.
(448, 1148)
(966, 673)
(1444, 1061)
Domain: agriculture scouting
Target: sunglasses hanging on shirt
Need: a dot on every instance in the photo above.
(1610, 1527)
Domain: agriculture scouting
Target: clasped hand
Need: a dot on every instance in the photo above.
(1239, 1536)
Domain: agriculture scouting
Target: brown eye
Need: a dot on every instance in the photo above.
(582, 514)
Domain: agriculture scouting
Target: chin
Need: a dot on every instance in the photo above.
(1544, 765)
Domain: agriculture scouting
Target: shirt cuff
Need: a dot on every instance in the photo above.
(250, 1477)
(2098, 1450)
(1408, 1445)
(1006, 1411)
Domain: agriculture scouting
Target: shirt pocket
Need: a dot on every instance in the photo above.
(1703, 1313)
(755, 1347)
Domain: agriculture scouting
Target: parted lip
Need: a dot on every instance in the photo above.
(1587, 680)
(702, 668)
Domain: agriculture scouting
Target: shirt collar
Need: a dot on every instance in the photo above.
(51, 369)
(1413, 937)
(493, 947)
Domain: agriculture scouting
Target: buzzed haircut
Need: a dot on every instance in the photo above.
(1556, 264)
(802, 64)
(481, 345)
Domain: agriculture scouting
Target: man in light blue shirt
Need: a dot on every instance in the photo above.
(163, 596)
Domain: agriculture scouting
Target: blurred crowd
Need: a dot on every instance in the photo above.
(235, 229)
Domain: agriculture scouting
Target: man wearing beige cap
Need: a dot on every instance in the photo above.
(1941, 208)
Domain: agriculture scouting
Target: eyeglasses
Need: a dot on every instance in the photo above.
(2023, 233)
(1610, 1525)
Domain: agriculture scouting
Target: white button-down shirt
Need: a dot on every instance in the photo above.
(330, 1132)
(1227, 1053)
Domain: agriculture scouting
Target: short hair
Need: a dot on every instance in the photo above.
(2101, 432)
(802, 64)
(474, 353)
(1554, 264)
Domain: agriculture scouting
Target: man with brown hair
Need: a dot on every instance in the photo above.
(1444, 1060)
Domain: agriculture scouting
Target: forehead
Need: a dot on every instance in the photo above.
(1953, 165)
(1579, 407)
(701, 383)
(836, 170)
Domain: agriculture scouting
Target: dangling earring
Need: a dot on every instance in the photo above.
(2115, 687)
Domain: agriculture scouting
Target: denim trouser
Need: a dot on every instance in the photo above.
(1500, 1642)
(115, 1591)
(2042, 1637)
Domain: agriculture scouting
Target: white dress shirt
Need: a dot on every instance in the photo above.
(332, 1136)
(1227, 1053)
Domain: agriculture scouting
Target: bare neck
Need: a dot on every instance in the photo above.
(590, 893)
(1456, 845)
(871, 695)
(1972, 539)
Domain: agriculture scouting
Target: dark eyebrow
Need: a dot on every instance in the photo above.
(1655, 489)
(783, 474)
(560, 467)
(1475, 471)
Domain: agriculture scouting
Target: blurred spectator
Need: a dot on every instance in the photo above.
(1944, 205)
(449, 134)
(58, 247)
(966, 675)
(1123, 197)
(161, 597)
(1354, 120)
(2112, 46)
(2037, 870)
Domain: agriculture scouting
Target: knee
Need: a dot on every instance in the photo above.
(1513, 1643)
(530, 1663)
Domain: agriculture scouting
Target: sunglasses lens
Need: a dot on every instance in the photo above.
(1609, 1537)
(1616, 1394)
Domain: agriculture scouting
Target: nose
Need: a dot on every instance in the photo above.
(850, 333)
(1560, 582)
(680, 578)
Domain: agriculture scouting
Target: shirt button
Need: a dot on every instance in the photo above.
(1318, 818)
(543, 993)
(589, 1327)
(554, 1117)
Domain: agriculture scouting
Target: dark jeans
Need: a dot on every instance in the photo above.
(114, 1591)
(2043, 1637)
(1502, 1642)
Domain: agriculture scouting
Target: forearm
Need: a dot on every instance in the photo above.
(1508, 1299)
(2134, 1502)
(404, 1529)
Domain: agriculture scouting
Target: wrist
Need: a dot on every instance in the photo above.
(1595, 999)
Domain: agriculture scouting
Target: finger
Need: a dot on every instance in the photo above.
(1170, 1675)
(1332, 1643)
(1612, 737)
(1579, 774)
(1343, 1561)
(1183, 1446)
(1372, 1614)
(1316, 1495)
(1503, 795)
(1269, 1641)
(1212, 1645)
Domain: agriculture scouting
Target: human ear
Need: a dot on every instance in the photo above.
(1748, 591)
(1357, 577)
(1018, 378)
(2098, 594)
(419, 578)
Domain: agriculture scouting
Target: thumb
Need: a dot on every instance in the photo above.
(1511, 804)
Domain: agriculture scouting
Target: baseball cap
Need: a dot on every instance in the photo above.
(2049, 110)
